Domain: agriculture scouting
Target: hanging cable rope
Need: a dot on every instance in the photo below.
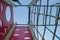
(37, 24)
(50, 15)
(46, 18)
(43, 15)
(38, 12)
(56, 23)
(34, 18)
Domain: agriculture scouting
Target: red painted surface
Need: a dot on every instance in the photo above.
(21, 33)
(3, 14)
(6, 25)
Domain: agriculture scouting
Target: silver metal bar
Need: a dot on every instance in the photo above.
(37, 22)
(46, 25)
(46, 15)
(10, 33)
(52, 32)
(50, 14)
(33, 2)
(43, 16)
(41, 5)
(21, 24)
(46, 18)
(56, 23)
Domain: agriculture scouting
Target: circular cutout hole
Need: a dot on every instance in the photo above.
(26, 32)
(26, 38)
(0, 23)
(16, 34)
(8, 14)
(17, 29)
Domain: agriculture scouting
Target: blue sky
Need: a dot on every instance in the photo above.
(21, 17)
(22, 12)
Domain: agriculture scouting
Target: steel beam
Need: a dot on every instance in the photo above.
(9, 2)
(33, 2)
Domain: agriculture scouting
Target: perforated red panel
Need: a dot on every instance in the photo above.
(6, 25)
(21, 33)
(3, 14)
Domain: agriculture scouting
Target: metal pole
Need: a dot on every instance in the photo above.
(56, 23)
(34, 19)
(50, 15)
(29, 15)
(46, 18)
(37, 23)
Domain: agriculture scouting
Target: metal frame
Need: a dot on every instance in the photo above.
(9, 2)
(45, 15)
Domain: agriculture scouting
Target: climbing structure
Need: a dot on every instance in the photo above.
(39, 16)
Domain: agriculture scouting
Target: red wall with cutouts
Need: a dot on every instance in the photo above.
(3, 14)
(6, 25)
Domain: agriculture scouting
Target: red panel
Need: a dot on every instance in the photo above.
(1, 29)
(20, 30)
(3, 14)
(2, 33)
(6, 25)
